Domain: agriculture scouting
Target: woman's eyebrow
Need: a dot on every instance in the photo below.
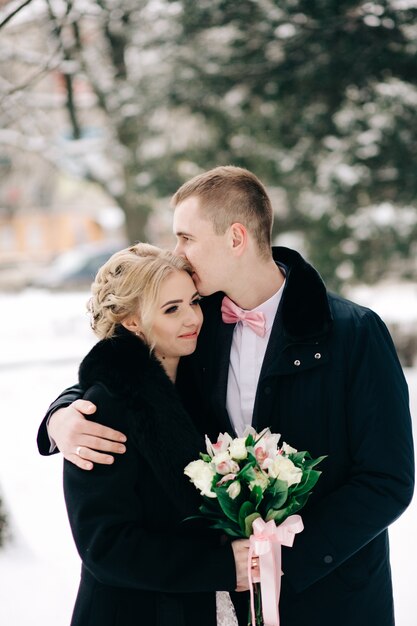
(171, 302)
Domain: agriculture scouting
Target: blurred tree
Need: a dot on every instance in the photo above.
(3, 524)
(96, 104)
(317, 97)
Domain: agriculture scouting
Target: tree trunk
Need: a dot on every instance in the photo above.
(136, 215)
(3, 524)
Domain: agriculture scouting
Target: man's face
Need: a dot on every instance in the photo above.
(204, 250)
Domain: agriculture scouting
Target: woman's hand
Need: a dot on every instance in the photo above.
(241, 553)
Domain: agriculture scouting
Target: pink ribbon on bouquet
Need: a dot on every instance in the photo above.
(266, 542)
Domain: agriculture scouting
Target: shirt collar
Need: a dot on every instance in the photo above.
(270, 307)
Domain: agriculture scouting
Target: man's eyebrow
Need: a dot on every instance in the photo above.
(181, 233)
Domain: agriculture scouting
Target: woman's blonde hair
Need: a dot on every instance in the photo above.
(129, 283)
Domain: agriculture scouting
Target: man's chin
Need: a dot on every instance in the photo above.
(202, 289)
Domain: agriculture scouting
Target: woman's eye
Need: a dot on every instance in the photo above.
(171, 309)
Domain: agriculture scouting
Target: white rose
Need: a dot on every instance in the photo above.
(287, 449)
(237, 449)
(234, 489)
(201, 475)
(284, 469)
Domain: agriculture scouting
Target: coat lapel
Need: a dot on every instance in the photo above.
(220, 374)
(303, 316)
(275, 346)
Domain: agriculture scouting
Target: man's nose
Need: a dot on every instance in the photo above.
(178, 251)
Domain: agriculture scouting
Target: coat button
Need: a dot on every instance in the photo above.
(297, 362)
(328, 559)
(317, 355)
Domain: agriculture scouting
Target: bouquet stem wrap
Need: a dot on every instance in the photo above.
(266, 542)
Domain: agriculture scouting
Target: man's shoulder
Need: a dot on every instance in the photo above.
(349, 313)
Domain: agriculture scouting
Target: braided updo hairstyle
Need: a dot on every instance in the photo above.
(129, 283)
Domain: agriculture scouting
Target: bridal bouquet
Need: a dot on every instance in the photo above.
(251, 487)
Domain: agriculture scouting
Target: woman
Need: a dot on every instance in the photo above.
(141, 563)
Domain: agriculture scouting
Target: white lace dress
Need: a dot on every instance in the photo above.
(226, 615)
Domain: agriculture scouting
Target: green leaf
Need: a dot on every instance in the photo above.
(205, 457)
(248, 523)
(251, 458)
(210, 505)
(209, 513)
(229, 529)
(246, 509)
(257, 495)
(278, 486)
(247, 473)
(297, 458)
(294, 505)
(307, 483)
(229, 507)
(277, 516)
(249, 441)
(279, 499)
(309, 463)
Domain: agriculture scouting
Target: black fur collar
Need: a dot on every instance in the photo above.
(159, 426)
(123, 363)
(305, 308)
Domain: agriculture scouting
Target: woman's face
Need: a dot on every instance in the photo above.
(178, 317)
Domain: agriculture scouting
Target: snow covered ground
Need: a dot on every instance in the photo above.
(42, 338)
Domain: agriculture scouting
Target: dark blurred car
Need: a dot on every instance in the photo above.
(76, 268)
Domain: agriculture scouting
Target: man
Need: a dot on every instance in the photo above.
(312, 366)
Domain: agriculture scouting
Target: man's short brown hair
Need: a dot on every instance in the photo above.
(231, 194)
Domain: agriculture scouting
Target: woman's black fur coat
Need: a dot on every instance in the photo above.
(141, 563)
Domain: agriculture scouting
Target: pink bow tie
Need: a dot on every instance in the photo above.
(231, 314)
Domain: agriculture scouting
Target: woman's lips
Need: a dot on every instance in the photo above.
(193, 335)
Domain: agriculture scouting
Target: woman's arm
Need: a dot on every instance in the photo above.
(115, 540)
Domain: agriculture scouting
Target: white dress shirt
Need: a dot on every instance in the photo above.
(246, 357)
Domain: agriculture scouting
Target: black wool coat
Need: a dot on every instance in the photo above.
(331, 384)
(140, 563)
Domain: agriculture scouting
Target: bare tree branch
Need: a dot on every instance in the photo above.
(69, 83)
(13, 13)
(52, 64)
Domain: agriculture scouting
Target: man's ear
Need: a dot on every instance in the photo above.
(238, 236)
